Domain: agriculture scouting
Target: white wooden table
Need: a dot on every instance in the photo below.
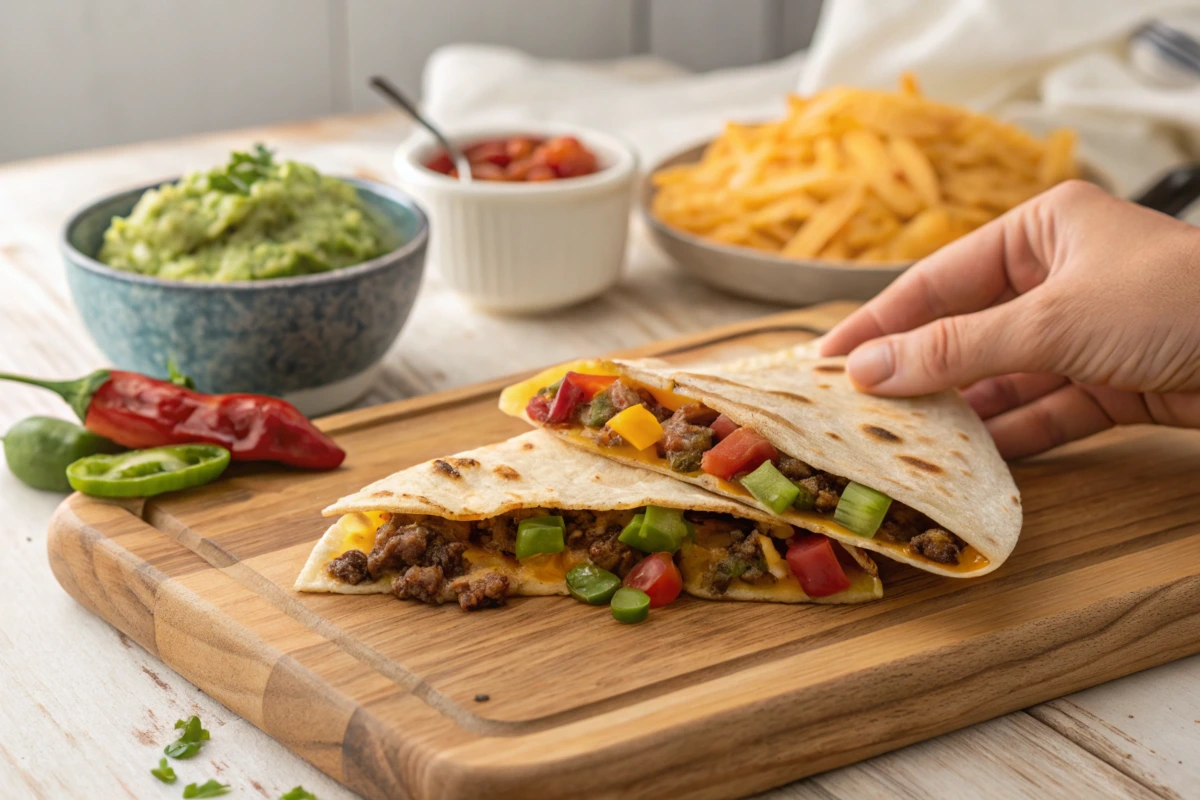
(85, 713)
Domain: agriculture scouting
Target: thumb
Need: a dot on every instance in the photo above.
(947, 353)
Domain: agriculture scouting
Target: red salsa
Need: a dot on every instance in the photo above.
(522, 158)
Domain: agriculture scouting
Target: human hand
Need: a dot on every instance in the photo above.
(1072, 313)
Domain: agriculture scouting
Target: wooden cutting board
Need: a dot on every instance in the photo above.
(707, 699)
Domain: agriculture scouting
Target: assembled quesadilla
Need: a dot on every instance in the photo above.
(528, 515)
(918, 480)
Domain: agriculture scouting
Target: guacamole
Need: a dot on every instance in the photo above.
(251, 219)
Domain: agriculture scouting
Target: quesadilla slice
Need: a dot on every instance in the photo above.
(918, 480)
(517, 518)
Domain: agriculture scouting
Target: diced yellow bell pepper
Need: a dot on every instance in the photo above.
(637, 426)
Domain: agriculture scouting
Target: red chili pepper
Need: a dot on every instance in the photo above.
(140, 412)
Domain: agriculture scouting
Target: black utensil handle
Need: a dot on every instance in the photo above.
(1173, 192)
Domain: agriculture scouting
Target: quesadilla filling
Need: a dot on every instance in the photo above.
(691, 438)
(480, 563)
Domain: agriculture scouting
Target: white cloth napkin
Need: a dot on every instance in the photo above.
(1039, 63)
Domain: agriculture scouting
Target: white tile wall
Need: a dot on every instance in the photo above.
(87, 73)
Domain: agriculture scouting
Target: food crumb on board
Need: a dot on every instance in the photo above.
(482, 698)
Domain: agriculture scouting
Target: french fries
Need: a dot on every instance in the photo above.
(860, 176)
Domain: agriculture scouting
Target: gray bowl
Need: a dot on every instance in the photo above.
(759, 275)
(315, 339)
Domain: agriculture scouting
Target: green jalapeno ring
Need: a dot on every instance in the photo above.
(143, 473)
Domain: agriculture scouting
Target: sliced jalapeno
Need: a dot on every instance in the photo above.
(40, 449)
(142, 473)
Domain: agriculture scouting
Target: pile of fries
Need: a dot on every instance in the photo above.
(860, 176)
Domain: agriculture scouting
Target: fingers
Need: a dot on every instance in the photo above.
(993, 396)
(1060, 417)
(1004, 258)
(948, 353)
(1072, 412)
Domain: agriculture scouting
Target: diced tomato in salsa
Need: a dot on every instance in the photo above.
(743, 450)
(815, 565)
(522, 158)
(723, 426)
(657, 576)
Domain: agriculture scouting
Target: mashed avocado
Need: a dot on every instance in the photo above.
(249, 220)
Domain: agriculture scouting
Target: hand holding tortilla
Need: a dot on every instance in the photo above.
(1069, 315)
(917, 480)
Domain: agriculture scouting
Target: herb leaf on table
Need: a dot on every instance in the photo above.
(298, 793)
(163, 773)
(208, 789)
(190, 741)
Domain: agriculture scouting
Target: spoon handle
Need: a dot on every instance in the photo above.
(385, 87)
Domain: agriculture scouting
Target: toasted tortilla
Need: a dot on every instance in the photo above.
(931, 453)
(536, 470)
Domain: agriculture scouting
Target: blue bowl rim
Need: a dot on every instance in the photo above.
(351, 273)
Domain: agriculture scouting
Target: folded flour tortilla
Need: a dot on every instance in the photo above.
(468, 505)
(931, 455)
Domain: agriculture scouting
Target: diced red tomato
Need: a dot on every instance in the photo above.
(723, 426)
(538, 408)
(565, 399)
(522, 158)
(742, 450)
(441, 163)
(493, 152)
(590, 384)
(567, 156)
(814, 563)
(657, 576)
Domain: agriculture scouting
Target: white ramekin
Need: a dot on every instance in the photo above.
(525, 247)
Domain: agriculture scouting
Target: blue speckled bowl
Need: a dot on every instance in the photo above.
(315, 339)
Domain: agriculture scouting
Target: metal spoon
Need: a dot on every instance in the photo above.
(385, 88)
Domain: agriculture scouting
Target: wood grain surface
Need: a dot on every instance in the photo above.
(708, 699)
(85, 712)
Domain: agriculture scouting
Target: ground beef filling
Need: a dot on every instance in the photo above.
(425, 557)
(687, 436)
(742, 559)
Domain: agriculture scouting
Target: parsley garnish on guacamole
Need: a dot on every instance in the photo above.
(251, 219)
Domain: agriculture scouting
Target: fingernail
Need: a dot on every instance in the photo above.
(871, 364)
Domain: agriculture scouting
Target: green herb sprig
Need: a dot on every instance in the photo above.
(298, 793)
(190, 741)
(209, 789)
(243, 170)
(163, 773)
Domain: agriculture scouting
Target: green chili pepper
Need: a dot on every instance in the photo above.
(142, 473)
(591, 584)
(40, 449)
(630, 605)
(537, 535)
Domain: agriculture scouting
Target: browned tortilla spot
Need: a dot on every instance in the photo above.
(446, 468)
(833, 435)
(463, 463)
(881, 433)
(966, 473)
(963, 436)
(506, 472)
(1016, 500)
(799, 398)
(920, 463)
(824, 386)
(829, 368)
(381, 493)
(527, 446)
